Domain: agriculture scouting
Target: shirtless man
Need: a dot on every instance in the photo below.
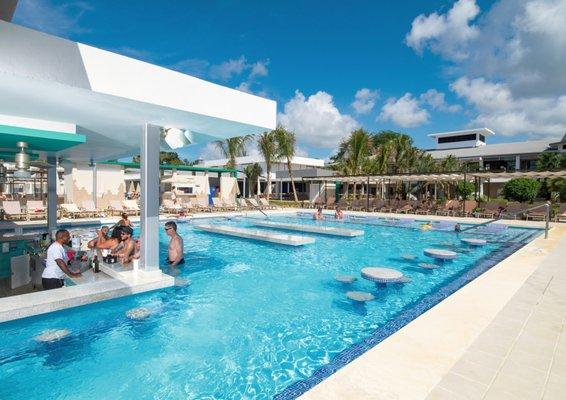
(318, 215)
(338, 214)
(128, 244)
(175, 251)
(124, 222)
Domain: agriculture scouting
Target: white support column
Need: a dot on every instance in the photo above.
(52, 182)
(149, 183)
(517, 163)
(94, 186)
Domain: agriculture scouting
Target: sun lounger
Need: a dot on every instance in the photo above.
(202, 204)
(450, 208)
(254, 204)
(13, 210)
(169, 206)
(492, 209)
(242, 204)
(71, 210)
(35, 209)
(89, 207)
(131, 206)
(115, 207)
(263, 202)
(230, 205)
(217, 204)
(561, 213)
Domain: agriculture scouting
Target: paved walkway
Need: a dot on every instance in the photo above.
(522, 353)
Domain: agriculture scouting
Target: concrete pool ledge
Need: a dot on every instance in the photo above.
(119, 285)
(410, 363)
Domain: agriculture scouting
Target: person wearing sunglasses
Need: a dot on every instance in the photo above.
(175, 250)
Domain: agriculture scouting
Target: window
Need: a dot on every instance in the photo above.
(460, 138)
(482, 138)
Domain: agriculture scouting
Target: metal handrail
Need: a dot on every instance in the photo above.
(259, 209)
(547, 218)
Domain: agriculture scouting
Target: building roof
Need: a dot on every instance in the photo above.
(483, 131)
(563, 140)
(311, 162)
(173, 167)
(501, 149)
(110, 97)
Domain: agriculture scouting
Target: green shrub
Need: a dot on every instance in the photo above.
(464, 189)
(521, 189)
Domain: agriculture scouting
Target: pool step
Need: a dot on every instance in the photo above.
(256, 234)
(324, 230)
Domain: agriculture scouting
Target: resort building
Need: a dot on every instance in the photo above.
(280, 180)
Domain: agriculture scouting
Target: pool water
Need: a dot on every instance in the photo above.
(256, 318)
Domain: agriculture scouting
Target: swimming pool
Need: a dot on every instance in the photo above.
(258, 320)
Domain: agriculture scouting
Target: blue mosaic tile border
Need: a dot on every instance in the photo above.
(345, 357)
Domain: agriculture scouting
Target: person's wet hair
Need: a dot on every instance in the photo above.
(116, 232)
(171, 224)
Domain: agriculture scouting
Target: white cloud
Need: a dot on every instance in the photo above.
(43, 15)
(511, 62)
(316, 120)
(445, 34)
(258, 69)
(498, 109)
(192, 66)
(436, 100)
(227, 69)
(404, 111)
(210, 152)
(364, 100)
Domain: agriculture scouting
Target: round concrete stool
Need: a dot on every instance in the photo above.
(381, 275)
(440, 254)
(360, 296)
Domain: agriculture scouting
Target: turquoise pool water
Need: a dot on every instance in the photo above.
(255, 319)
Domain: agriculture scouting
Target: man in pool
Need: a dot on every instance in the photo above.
(128, 244)
(318, 215)
(175, 250)
(338, 214)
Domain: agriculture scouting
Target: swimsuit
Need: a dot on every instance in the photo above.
(169, 262)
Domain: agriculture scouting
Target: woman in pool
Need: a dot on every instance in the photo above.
(338, 214)
(318, 215)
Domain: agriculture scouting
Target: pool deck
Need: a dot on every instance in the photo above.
(502, 336)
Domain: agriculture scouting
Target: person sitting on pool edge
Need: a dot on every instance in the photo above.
(123, 222)
(338, 214)
(175, 250)
(318, 214)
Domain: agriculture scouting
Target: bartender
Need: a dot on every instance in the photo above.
(56, 268)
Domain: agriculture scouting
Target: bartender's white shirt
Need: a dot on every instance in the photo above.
(52, 270)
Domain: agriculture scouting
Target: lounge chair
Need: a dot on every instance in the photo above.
(469, 207)
(329, 203)
(71, 210)
(13, 210)
(254, 204)
(115, 207)
(358, 205)
(538, 214)
(169, 206)
(242, 204)
(450, 208)
(342, 203)
(230, 205)
(36, 209)
(89, 207)
(263, 202)
(202, 204)
(514, 210)
(492, 209)
(131, 206)
(560, 214)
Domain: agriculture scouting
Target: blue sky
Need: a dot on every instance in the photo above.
(416, 66)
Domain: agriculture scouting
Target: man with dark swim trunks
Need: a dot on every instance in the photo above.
(175, 251)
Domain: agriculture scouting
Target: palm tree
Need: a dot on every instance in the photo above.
(286, 142)
(253, 172)
(449, 164)
(549, 160)
(267, 145)
(232, 148)
(355, 157)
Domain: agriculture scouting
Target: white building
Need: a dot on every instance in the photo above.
(281, 182)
